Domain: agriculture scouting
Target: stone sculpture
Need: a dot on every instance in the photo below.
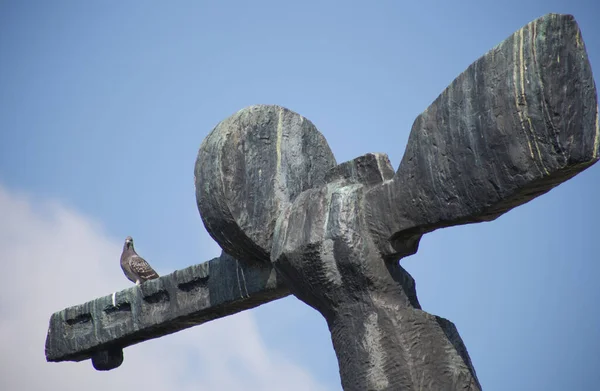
(519, 121)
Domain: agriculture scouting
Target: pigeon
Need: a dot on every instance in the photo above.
(136, 268)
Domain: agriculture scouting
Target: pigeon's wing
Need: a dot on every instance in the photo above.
(142, 269)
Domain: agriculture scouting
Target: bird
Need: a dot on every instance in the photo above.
(136, 268)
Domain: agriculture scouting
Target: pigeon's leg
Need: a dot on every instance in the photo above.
(114, 299)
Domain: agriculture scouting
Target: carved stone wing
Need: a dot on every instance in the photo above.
(519, 121)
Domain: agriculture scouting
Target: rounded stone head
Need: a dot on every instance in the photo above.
(250, 167)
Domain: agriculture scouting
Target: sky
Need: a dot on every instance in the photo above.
(103, 106)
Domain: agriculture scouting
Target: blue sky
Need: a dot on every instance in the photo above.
(103, 107)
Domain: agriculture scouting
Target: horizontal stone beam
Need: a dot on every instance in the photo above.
(101, 328)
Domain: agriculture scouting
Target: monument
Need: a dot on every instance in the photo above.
(290, 220)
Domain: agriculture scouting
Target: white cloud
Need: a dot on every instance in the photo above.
(52, 258)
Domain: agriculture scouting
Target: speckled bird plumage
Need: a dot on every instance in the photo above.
(136, 268)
